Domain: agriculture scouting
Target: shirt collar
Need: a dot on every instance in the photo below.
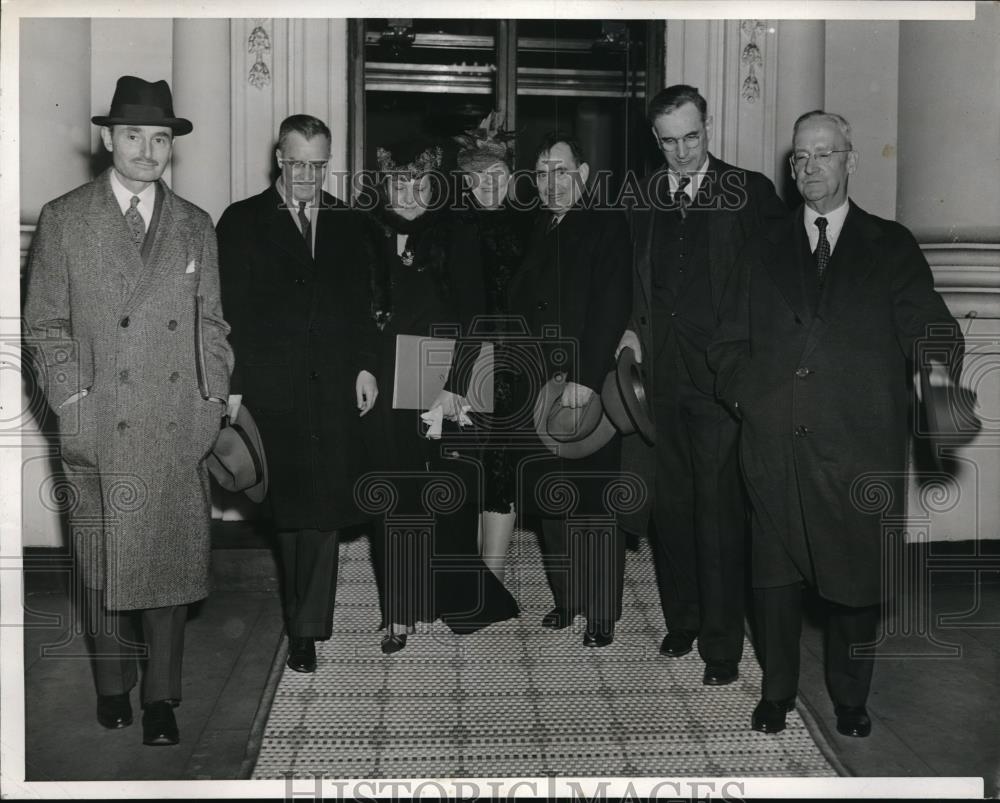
(835, 219)
(279, 186)
(124, 195)
(695, 176)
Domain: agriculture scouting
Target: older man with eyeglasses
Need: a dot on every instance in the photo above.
(294, 269)
(696, 213)
(821, 331)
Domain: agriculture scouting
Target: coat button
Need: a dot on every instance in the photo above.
(174, 376)
(802, 373)
(673, 314)
(300, 280)
(172, 325)
(801, 432)
(313, 375)
(543, 305)
(123, 376)
(642, 320)
(171, 427)
(124, 322)
(122, 426)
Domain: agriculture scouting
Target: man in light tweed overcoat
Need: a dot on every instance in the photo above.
(123, 313)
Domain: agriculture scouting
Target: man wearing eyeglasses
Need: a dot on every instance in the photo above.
(815, 354)
(293, 263)
(695, 215)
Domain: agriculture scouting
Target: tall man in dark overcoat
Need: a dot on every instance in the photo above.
(694, 215)
(815, 354)
(294, 263)
(123, 308)
(575, 282)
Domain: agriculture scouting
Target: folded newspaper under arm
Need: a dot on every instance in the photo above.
(422, 365)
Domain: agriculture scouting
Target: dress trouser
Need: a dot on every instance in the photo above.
(778, 614)
(699, 515)
(118, 647)
(585, 564)
(309, 570)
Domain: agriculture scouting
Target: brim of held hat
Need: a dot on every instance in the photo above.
(238, 461)
(568, 432)
(178, 125)
(950, 411)
(631, 381)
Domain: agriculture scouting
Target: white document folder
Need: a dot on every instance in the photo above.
(422, 366)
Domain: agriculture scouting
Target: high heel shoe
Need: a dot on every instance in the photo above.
(393, 642)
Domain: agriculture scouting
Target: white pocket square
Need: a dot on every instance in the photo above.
(190, 267)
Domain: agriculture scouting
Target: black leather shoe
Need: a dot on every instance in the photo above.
(558, 619)
(114, 710)
(677, 643)
(393, 642)
(769, 715)
(302, 653)
(158, 724)
(598, 634)
(853, 720)
(720, 673)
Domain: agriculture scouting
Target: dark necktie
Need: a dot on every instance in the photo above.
(136, 225)
(822, 248)
(306, 225)
(681, 197)
(553, 222)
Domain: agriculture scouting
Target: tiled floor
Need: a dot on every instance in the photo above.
(936, 716)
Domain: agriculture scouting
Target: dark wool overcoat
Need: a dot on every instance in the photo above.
(302, 333)
(133, 448)
(573, 293)
(821, 379)
(736, 204)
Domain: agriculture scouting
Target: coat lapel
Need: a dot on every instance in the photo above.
(121, 264)
(784, 266)
(168, 250)
(282, 231)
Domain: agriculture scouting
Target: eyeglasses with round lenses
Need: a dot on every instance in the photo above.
(669, 144)
(798, 161)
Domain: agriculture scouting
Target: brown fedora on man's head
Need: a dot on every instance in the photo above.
(570, 432)
(625, 400)
(138, 102)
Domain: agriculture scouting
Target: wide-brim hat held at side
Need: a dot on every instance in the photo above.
(624, 397)
(570, 432)
(139, 102)
(237, 460)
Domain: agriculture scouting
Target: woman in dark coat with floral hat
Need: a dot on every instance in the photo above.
(418, 288)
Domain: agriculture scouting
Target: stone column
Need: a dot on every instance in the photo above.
(201, 85)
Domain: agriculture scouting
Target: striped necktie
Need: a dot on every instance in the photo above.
(681, 197)
(306, 224)
(136, 225)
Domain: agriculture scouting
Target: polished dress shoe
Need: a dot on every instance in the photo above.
(677, 643)
(158, 724)
(302, 653)
(393, 642)
(769, 715)
(558, 619)
(598, 634)
(853, 720)
(720, 673)
(114, 710)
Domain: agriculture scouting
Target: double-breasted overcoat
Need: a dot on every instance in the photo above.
(98, 319)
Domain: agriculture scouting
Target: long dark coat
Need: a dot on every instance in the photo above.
(133, 448)
(737, 204)
(823, 392)
(575, 281)
(302, 334)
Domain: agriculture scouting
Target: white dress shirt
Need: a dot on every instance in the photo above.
(692, 188)
(147, 198)
(834, 223)
(312, 207)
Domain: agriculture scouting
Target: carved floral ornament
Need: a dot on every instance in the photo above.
(259, 44)
(752, 58)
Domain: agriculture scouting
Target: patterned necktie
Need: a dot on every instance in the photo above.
(681, 197)
(136, 225)
(822, 248)
(553, 222)
(306, 225)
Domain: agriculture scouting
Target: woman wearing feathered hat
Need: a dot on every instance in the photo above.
(417, 287)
